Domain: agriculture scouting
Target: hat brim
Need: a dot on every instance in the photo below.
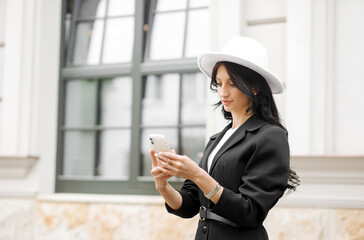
(207, 61)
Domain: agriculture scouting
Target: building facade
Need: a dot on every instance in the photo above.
(82, 83)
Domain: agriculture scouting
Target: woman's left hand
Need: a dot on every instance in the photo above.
(178, 165)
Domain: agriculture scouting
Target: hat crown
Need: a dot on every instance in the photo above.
(244, 51)
(248, 49)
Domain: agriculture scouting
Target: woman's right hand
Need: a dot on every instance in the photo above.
(160, 178)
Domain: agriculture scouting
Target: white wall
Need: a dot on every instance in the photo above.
(298, 75)
(47, 70)
(17, 78)
(28, 122)
(348, 78)
(325, 77)
(17, 26)
(2, 45)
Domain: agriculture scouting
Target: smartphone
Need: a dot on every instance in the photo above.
(158, 143)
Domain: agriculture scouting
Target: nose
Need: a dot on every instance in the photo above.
(223, 91)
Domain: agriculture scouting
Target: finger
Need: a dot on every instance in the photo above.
(161, 157)
(154, 159)
(166, 172)
(158, 172)
(168, 158)
(155, 171)
(163, 173)
(171, 156)
(169, 169)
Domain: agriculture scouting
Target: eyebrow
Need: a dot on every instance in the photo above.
(221, 80)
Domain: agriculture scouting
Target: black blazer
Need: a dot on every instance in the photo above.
(253, 168)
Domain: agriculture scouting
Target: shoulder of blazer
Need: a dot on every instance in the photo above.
(270, 130)
(252, 124)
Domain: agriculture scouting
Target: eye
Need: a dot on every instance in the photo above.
(219, 84)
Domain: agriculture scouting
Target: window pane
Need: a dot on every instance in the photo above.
(119, 38)
(160, 100)
(194, 98)
(124, 7)
(172, 138)
(67, 32)
(80, 103)
(114, 154)
(116, 98)
(199, 3)
(78, 153)
(198, 39)
(92, 8)
(87, 44)
(193, 143)
(167, 36)
(166, 5)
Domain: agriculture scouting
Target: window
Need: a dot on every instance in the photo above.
(180, 28)
(99, 30)
(177, 112)
(128, 69)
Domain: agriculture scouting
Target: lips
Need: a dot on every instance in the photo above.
(225, 102)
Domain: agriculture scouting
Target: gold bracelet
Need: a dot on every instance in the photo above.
(213, 191)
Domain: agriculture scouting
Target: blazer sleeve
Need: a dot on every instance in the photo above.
(190, 201)
(264, 181)
(190, 197)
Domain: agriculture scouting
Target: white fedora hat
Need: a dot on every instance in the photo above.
(244, 51)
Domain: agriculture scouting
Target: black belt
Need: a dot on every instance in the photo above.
(207, 214)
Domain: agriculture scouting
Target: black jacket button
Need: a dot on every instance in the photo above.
(204, 229)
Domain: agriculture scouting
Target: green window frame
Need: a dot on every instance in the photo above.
(138, 69)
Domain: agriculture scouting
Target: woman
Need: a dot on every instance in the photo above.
(245, 168)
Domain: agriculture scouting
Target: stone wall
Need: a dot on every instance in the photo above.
(99, 221)
(315, 224)
(137, 220)
(17, 218)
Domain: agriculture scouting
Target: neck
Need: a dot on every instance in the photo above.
(240, 118)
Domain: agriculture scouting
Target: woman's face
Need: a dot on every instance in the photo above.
(233, 100)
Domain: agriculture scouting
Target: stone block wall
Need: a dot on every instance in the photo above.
(103, 220)
(99, 221)
(315, 224)
(17, 218)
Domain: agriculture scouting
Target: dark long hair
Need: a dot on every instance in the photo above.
(262, 104)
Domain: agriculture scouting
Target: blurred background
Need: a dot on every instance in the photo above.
(83, 82)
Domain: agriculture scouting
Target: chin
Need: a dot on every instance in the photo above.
(227, 109)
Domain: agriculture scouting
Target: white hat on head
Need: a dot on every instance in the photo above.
(244, 51)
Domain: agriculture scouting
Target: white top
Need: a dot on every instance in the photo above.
(219, 145)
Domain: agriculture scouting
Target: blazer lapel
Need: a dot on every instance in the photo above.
(215, 139)
(251, 124)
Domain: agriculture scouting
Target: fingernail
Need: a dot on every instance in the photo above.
(155, 154)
